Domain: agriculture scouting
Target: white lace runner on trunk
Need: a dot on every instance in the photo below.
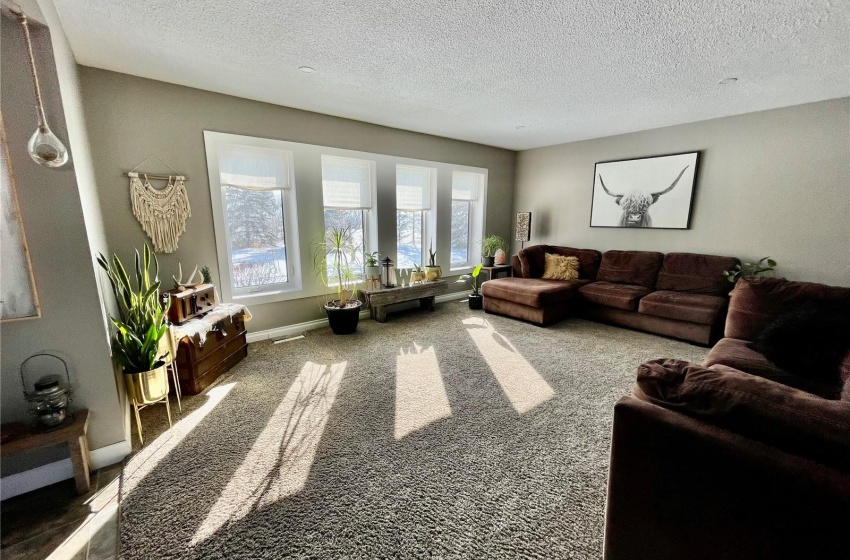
(198, 329)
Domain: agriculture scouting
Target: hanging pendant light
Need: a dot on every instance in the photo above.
(44, 147)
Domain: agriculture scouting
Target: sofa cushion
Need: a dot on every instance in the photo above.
(755, 302)
(695, 273)
(736, 353)
(621, 296)
(533, 292)
(808, 340)
(695, 308)
(560, 268)
(533, 263)
(630, 267)
(763, 410)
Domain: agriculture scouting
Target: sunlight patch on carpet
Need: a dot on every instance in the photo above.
(149, 457)
(420, 396)
(522, 384)
(279, 462)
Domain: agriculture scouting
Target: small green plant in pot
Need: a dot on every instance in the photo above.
(373, 265)
(489, 246)
(476, 300)
(140, 327)
(751, 270)
(335, 262)
(432, 271)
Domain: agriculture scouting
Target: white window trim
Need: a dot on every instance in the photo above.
(477, 222)
(274, 292)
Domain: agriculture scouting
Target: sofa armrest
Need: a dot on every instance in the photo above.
(679, 487)
(517, 266)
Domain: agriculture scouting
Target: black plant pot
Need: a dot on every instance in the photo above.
(344, 321)
(476, 302)
(488, 261)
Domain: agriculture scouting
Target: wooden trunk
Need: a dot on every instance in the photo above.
(199, 366)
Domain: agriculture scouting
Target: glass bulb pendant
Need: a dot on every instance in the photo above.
(46, 149)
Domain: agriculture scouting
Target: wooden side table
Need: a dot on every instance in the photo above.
(74, 434)
(493, 272)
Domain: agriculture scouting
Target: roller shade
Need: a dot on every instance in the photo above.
(346, 183)
(466, 186)
(253, 168)
(413, 188)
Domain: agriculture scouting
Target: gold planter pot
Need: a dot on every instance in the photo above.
(433, 273)
(147, 387)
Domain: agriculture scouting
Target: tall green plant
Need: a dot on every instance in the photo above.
(471, 279)
(141, 322)
(334, 257)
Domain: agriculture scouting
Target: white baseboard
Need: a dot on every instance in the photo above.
(51, 473)
(300, 328)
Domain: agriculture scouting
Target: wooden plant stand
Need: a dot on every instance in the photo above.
(73, 433)
(425, 292)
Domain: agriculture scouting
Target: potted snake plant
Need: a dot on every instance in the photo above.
(476, 300)
(139, 327)
(432, 270)
(334, 261)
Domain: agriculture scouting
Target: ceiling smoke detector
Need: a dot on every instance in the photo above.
(307, 69)
(727, 81)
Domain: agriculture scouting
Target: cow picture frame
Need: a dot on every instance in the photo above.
(655, 192)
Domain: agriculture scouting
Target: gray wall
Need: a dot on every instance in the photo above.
(52, 209)
(770, 183)
(131, 118)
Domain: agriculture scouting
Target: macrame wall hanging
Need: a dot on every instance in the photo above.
(162, 212)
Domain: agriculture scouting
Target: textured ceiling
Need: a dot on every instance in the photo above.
(477, 69)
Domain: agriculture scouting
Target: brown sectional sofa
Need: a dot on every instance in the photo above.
(682, 295)
(734, 458)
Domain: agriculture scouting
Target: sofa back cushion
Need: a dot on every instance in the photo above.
(774, 414)
(630, 267)
(695, 273)
(756, 302)
(533, 260)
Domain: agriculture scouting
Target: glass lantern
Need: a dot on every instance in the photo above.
(48, 394)
(387, 263)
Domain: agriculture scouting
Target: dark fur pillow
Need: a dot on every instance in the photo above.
(809, 340)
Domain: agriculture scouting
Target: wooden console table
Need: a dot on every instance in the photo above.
(425, 292)
(73, 433)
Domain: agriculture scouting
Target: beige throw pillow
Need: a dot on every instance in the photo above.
(560, 268)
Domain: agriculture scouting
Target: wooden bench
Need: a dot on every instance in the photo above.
(425, 292)
(73, 433)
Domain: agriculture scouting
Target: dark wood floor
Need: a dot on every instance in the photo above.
(55, 523)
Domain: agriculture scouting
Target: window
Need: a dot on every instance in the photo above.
(254, 200)
(347, 186)
(415, 187)
(467, 217)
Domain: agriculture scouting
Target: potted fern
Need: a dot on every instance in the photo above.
(334, 260)
(489, 246)
(476, 300)
(139, 327)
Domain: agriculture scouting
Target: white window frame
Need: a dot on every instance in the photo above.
(368, 215)
(291, 289)
(477, 209)
(429, 216)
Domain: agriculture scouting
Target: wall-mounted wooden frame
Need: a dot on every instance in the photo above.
(654, 192)
(18, 295)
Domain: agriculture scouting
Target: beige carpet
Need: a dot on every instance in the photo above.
(451, 434)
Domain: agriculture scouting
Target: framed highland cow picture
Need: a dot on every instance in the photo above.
(652, 192)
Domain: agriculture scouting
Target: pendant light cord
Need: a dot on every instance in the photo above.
(42, 119)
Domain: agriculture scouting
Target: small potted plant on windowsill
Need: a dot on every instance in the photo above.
(139, 327)
(373, 265)
(432, 271)
(476, 300)
(334, 260)
(489, 246)
(418, 275)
